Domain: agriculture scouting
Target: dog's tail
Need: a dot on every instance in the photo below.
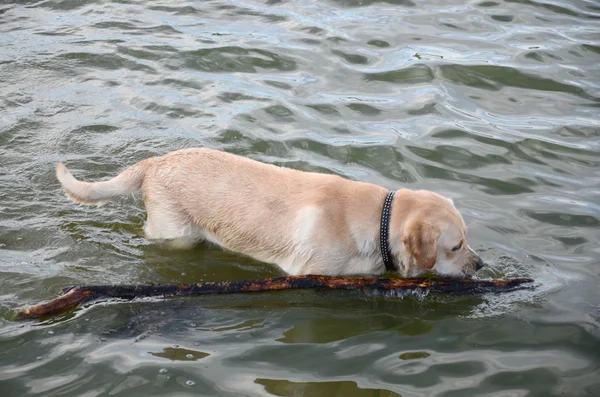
(100, 193)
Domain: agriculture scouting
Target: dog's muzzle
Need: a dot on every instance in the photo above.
(478, 264)
(477, 261)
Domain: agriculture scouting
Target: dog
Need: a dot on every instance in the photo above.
(303, 222)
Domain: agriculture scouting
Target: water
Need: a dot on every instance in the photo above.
(493, 103)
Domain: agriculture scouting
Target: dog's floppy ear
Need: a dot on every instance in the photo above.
(420, 240)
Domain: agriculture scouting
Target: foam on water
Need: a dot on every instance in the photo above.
(418, 293)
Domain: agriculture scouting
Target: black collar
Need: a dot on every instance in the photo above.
(386, 212)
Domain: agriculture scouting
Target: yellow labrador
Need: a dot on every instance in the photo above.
(304, 222)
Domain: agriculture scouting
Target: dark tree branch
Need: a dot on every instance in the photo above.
(73, 296)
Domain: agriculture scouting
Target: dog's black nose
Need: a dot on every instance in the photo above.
(479, 265)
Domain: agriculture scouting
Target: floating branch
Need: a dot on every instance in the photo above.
(73, 296)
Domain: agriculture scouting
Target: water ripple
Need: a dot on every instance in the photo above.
(491, 102)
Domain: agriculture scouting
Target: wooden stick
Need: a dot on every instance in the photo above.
(73, 296)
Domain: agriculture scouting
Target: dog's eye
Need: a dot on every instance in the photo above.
(458, 246)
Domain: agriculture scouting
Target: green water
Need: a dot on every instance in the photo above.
(493, 103)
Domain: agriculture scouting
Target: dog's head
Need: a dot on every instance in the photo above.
(434, 237)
